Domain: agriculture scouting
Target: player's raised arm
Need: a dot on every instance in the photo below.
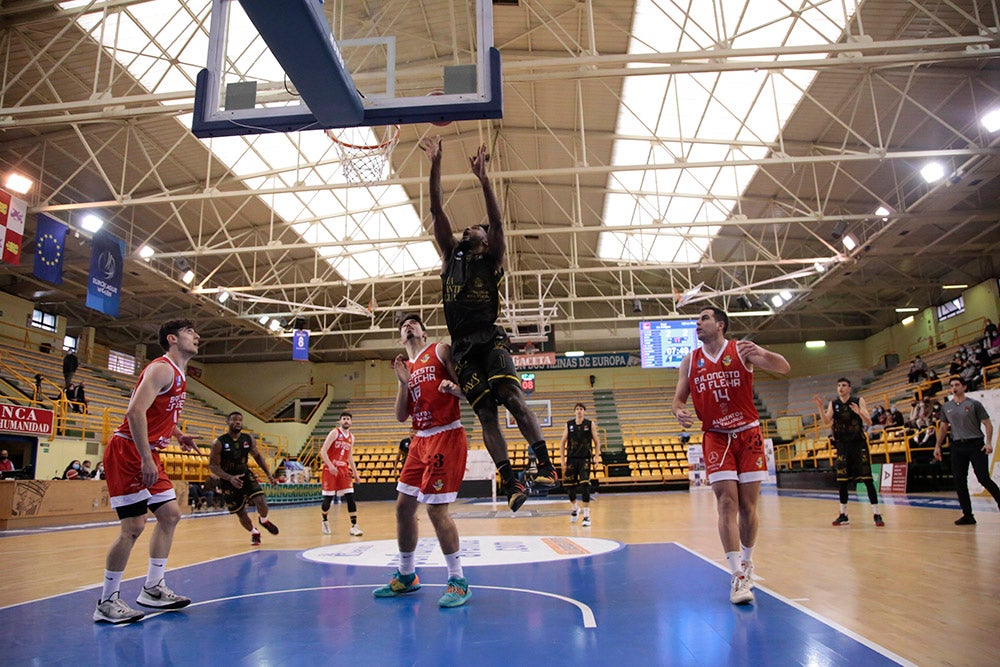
(442, 225)
(496, 241)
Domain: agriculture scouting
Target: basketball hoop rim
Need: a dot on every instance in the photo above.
(388, 142)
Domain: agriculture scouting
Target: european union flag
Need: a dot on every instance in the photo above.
(50, 239)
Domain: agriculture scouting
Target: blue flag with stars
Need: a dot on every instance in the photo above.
(50, 241)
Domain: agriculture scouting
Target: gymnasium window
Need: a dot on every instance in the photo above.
(119, 362)
(70, 343)
(44, 321)
(950, 309)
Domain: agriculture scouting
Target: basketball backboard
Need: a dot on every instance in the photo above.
(307, 64)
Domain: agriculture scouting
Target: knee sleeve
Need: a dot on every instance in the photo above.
(585, 492)
(327, 501)
(843, 493)
(352, 506)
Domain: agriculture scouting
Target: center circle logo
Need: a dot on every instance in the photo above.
(478, 550)
(109, 265)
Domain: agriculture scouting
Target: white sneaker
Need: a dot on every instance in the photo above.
(357, 532)
(740, 592)
(161, 597)
(586, 522)
(114, 610)
(326, 527)
(573, 516)
(747, 570)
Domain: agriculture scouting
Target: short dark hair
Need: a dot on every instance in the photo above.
(839, 380)
(579, 405)
(406, 317)
(234, 412)
(170, 328)
(486, 228)
(345, 413)
(720, 316)
(959, 378)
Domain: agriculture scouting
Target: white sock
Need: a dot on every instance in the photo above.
(733, 557)
(576, 508)
(586, 512)
(406, 562)
(254, 531)
(454, 565)
(747, 553)
(157, 570)
(843, 508)
(112, 583)
(875, 509)
(263, 520)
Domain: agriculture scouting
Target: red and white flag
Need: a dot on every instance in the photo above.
(12, 214)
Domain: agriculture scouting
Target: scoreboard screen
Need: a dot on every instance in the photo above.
(664, 343)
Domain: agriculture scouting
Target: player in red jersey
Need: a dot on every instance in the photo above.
(339, 472)
(137, 482)
(435, 466)
(719, 379)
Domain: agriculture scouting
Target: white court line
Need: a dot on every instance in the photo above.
(825, 621)
(589, 620)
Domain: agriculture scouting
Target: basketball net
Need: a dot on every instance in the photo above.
(365, 151)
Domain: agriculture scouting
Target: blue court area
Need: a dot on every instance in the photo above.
(655, 604)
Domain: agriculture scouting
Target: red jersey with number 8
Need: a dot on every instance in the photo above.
(722, 389)
(163, 414)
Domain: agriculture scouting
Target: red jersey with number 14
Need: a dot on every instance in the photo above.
(722, 389)
(163, 414)
(429, 406)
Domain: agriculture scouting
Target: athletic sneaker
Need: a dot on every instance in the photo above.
(400, 584)
(740, 590)
(586, 522)
(114, 610)
(161, 597)
(255, 539)
(269, 527)
(355, 531)
(515, 494)
(547, 476)
(573, 516)
(326, 527)
(878, 520)
(841, 520)
(747, 570)
(456, 594)
(966, 520)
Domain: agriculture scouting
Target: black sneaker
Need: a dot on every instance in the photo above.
(269, 527)
(515, 494)
(841, 520)
(255, 539)
(547, 476)
(966, 520)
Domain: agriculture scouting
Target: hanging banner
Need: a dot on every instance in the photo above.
(12, 214)
(104, 285)
(300, 345)
(50, 239)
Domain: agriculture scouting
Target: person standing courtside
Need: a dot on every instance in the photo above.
(434, 468)
(470, 278)
(228, 462)
(339, 472)
(966, 419)
(849, 416)
(584, 445)
(137, 482)
(718, 377)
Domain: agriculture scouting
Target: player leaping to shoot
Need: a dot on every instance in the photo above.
(470, 281)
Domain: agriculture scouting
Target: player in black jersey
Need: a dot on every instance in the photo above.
(403, 451)
(581, 436)
(470, 278)
(228, 462)
(849, 415)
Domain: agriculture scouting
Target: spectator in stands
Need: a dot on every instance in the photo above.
(229, 462)
(87, 470)
(993, 348)
(895, 417)
(6, 465)
(916, 412)
(848, 415)
(966, 419)
(37, 396)
(98, 471)
(878, 416)
(935, 383)
(918, 370)
(210, 489)
(990, 331)
(718, 377)
(982, 356)
(76, 396)
(970, 374)
(72, 471)
(69, 365)
(955, 367)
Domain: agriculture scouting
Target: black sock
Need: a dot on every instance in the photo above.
(541, 453)
(506, 474)
(324, 516)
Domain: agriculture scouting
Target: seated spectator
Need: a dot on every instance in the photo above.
(6, 465)
(86, 470)
(955, 367)
(895, 417)
(935, 383)
(918, 370)
(916, 413)
(98, 471)
(970, 373)
(76, 396)
(210, 487)
(196, 496)
(72, 471)
(990, 331)
(982, 356)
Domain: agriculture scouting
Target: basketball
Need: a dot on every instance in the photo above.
(439, 123)
(72, 474)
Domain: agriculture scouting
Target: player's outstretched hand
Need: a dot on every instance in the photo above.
(188, 444)
(431, 146)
